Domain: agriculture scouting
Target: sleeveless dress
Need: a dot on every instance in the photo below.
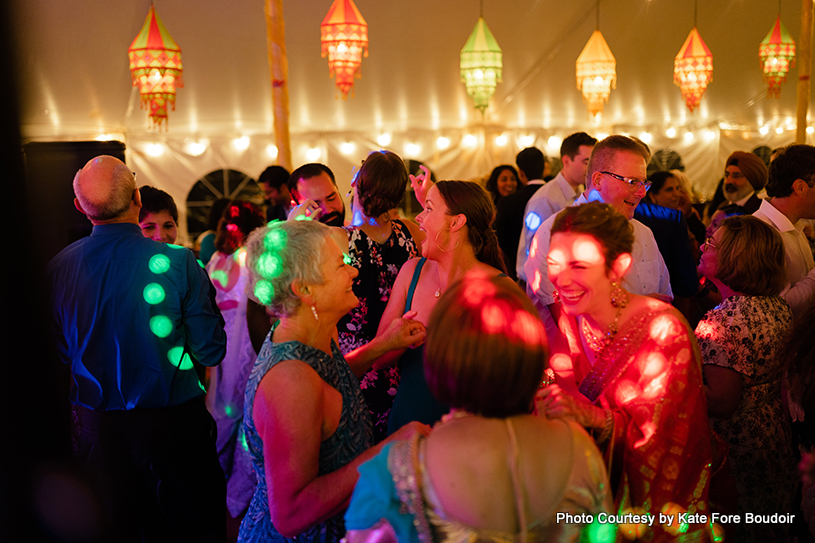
(378, 265)
(413, 400)
(352, 437)
(395, 486)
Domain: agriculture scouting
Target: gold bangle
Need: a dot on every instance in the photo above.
(608, 427)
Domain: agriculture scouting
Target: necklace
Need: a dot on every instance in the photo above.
(595, 343)
(438, 280)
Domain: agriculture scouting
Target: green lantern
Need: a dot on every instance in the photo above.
(481, 65)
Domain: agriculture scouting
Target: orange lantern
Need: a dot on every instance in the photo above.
(344, 38)
(777, 54)
(693, 69)
(155, 65)
(596, 70)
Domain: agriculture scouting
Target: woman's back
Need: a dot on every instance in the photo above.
(486, 475)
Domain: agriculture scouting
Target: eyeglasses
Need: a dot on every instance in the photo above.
(630, 180)
(708, 244)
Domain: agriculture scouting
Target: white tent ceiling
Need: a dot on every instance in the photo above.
(75, 82)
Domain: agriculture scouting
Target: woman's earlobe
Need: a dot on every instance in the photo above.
(622, 264)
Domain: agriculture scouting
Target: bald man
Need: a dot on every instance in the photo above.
(130, 316)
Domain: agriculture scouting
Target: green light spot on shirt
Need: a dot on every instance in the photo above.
(243, 442)
(275, 239)
(269, 265)
(220, 277)
(229, 410)
(600, 533)
(264, 292)
(153, 294)
(161, 325)
(201, 264)
(175, 354)
(159, 264)
(174, 246)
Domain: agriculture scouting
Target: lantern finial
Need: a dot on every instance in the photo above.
(155, 66)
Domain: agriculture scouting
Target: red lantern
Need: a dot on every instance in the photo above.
(155, 64)
(344, 38)
(693, 69)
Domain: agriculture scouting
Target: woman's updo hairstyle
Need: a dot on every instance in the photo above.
(381, 182)
(602, 222)
(474, 202)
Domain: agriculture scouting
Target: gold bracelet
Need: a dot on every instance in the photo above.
(608, 427)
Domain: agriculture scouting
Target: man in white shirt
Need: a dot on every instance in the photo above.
(744, 175)
(557, 194)
(791, 191)
(616, 176)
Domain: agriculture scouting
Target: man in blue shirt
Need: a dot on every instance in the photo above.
(132, 316)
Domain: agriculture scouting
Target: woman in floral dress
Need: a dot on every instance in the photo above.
(378, 245)
(740, 341)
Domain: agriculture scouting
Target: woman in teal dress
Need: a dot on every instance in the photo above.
(490, 470)
(457, 221)
(306, 426)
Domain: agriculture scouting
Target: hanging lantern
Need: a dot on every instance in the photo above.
(344, 38)
(777, 54)
(693, 69)
(596, 71)
(155, 64)
(481, 65)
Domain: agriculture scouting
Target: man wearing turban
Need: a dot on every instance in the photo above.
(744, 175)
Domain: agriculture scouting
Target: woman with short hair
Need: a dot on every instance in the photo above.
(740, 341)
(307, 428)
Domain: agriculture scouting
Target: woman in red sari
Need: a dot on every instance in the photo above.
(629, 371)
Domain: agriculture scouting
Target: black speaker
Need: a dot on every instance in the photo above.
(50, 170)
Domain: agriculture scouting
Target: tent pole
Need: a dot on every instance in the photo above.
(279, 70)
(804, 70)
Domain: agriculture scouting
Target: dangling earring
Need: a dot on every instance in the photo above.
(314, 312)
(439, 246)
(618, 296)
(556, 294)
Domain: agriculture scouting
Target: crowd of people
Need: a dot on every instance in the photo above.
(589, 356)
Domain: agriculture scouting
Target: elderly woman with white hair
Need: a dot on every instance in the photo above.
(306, 425)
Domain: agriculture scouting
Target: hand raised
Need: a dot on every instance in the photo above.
(308, 209)
(421, 184)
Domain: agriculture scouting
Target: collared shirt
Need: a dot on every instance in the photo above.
(128, 315)
(798, 256)
(555, 195)
(742, 201)
(648, 273)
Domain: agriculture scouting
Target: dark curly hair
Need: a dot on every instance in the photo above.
(381, 182)
(238, 220)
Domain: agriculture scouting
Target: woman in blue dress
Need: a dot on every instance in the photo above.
(457, 220)
(306, 425)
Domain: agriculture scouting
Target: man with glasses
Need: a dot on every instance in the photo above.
(617, 176)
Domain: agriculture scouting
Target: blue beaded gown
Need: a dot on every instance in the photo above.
(352, 437)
